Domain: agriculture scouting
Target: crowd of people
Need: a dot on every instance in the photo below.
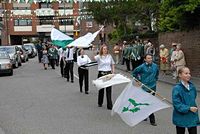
(142, 58)
(132, 54)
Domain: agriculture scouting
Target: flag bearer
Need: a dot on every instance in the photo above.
(105, 66)
(83, 59)
(148, 73)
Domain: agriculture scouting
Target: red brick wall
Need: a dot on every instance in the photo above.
(190, 44)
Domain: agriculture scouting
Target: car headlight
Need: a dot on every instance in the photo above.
(6, 66)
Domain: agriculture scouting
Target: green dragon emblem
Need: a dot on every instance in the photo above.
(136, 105)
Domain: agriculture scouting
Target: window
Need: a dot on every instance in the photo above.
(89, 24)
(65, 6)
(46, 20)
(21, 6)
(66, 21)
(23, 22)
(45, 5)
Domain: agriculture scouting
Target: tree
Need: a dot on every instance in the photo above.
(124, 14)
(179, 15)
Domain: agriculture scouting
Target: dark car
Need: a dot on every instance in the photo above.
(30, 49)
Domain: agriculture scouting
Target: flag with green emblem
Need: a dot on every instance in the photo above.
(134, 105)
(60, 39)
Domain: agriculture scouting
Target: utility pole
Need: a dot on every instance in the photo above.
(5, 24)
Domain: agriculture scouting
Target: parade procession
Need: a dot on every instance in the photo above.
(99, 67)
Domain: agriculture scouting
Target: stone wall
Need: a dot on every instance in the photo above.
(190, 45)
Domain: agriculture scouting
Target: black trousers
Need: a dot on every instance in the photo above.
(69, 69)
(181, 130)
(134, 64)
(83, 75)
(152, 116)
(127, 61)
(62, 67)
(52, 63)
(108, 92)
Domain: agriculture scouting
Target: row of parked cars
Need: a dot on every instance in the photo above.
(13, 56)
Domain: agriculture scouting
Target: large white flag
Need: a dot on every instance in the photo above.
(86, 40)
(110, 80)
(60, 39)
(134, 105)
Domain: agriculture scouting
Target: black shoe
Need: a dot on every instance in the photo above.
(109, 108)
(145, 120)
(153, 124)
(99, 105)
(72, 81)
(81, 91)
(67, 80)
(86, 92)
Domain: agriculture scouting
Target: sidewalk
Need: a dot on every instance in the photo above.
(166, 79)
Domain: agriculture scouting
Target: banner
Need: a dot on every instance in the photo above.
(134, 105)
(110, 80)
(86, 40)
(60, 39)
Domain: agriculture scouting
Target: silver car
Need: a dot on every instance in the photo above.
(14, 55)
(5, 64)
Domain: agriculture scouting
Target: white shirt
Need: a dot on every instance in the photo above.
(186, 86)
(104, 62)
(82, 60)
(71, 54)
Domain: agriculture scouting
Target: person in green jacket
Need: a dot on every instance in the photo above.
(126, 55)
(53, 55)
(185, 113)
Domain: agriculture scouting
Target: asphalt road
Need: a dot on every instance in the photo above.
(37, 101)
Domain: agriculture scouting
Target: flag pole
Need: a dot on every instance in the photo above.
(152, 91)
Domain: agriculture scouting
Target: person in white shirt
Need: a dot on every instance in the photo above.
(61, 60)
(82, 60)
(105, 66)
(69, 60)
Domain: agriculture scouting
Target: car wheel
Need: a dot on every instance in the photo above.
(11, 73)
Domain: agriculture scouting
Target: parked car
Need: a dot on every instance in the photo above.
(34, 48)
(14, 55)
(30, 50)
(5, 63)
(23, 53)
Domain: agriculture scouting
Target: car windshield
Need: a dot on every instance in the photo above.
(8, 49)
(28, 47)
(4, 56)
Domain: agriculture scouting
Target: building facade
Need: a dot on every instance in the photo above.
(27, 21)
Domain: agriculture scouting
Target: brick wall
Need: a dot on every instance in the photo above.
(190, 45)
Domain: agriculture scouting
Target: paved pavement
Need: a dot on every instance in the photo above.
(166, 78)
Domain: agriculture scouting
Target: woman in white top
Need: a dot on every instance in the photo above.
(105, 66)
(82, 60)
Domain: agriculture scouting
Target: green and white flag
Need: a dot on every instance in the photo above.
(60, 39)
(134, 105)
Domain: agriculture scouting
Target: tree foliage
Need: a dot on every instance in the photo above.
(179, 15)
(124, 14)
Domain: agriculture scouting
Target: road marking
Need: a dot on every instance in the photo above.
(76, 76)
(58, 72)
